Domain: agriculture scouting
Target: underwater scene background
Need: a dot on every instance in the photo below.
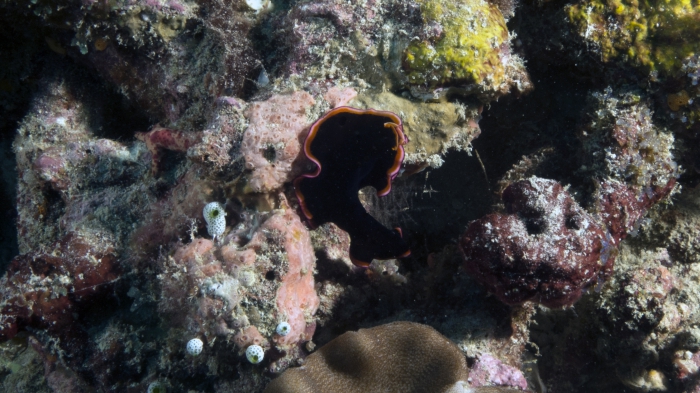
(350, 196)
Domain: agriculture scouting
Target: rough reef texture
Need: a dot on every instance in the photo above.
(546, 140)
(630, 159)
(433, 47)
(489, 371)
(272, 141)
(546, 249)
(172, 58)
(677, 229)
(647, 35)
(243, 292)
(51, 290)
(70, 178)
(647, 307)
(464, 45)
(433, 129)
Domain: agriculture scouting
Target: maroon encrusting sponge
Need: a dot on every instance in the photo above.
(353, 148)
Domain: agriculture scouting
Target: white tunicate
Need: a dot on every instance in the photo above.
(215, 216)
(194, 347)
(255, 354)
(283, 329)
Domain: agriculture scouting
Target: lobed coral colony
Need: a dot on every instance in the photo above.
(449, 196)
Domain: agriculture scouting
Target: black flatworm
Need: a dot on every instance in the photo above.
(353, 148)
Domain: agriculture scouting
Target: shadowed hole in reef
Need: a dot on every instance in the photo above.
(23, 58)
(434, 207)
(8, 208)
(534, 227)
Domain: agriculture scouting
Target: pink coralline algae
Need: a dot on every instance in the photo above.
(489, 371)
(244, 292)
(687, 364)
(271, 144)
(307, 42)
(160, 138)
(296, 297)
(336, 96)
(50, 290)
(546, 249)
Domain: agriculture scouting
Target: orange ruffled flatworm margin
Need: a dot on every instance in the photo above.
(396, 125)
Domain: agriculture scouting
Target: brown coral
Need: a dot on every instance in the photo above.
(396, 357)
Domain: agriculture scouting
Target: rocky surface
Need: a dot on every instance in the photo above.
(552, 162)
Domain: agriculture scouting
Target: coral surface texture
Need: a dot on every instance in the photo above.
(338, 196)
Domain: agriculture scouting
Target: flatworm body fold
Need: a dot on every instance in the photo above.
(353, 148)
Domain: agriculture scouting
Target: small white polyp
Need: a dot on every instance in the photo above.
(255, 354)
(194, 347)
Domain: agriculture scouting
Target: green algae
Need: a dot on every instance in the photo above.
(466, 51)
(652, 35)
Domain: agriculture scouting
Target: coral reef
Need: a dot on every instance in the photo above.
(637, 169)
(70, 177)
(124, 119)
(489, 371)
(464, 44)
(143, 47)
(50, 290)
(677, 229)
(546, 249)
(432, 47)
(646, 306)
(243, 292)
(159, 139)
(684, 103)
(433, 129)
(646, 35)
(21, 365)
(271, 143)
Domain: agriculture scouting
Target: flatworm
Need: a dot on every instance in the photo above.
(353, 148)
